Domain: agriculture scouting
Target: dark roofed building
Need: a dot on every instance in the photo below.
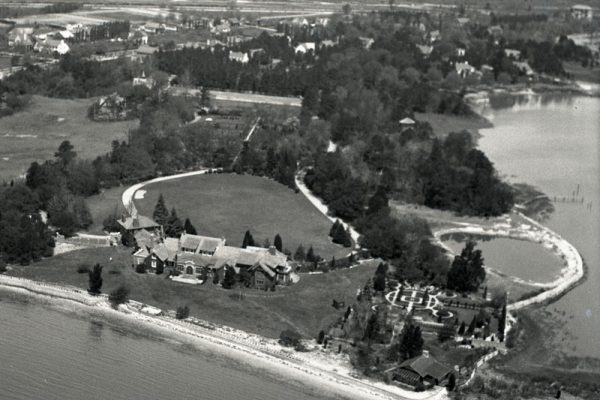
(422, 369)
(134, 223)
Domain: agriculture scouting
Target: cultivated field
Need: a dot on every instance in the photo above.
(228, 205)
(305, 307)
(35, 133)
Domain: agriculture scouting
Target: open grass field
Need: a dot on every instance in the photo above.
(35, 133)
(228, 205)
(102, 205)
(305, 307)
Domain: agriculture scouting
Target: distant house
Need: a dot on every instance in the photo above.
(299, 21)
(328, 43)
(322, 21)
(20, 37)
(66, 35)
(109, 108)
(422, 369)
(495, 30)
(581, 11)
(434, 36)
(145, 50)
(464, 69)
(512, 53)
(305, 47)
(462, 21)
(143, 81)
(134, 223)
(52, 46)
(238, 56)
(152, 27)
(524, 67)
(367, 42)
(253, 52)
(407, 122)
(425, 50)
(460, 52)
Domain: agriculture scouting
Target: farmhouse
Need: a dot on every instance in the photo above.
(52, 46)
(239, 57)
(20, 37)
(304, 48)
(580, 11)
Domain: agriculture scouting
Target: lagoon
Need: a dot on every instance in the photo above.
(553, 142)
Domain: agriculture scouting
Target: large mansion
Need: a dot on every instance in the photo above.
(192, 255)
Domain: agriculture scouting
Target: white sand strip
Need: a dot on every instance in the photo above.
(250, 349)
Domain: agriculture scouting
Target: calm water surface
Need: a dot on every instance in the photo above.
(552, 142)
(507, 255)
(47, 354)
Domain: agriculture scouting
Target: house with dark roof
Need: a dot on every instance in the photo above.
(423, 369)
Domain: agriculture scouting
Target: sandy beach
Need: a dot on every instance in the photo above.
(312, 368)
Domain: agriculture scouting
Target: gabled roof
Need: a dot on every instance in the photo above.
(426, 366)
(145, 49)
(201, 243)
(145, 239)
(143, 252)
(196, 259)
(407, 121)
(141, 222)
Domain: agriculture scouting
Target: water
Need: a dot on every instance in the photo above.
(507, 255)
(48, 354)
(552, 142)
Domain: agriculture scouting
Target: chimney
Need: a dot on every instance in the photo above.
(123, 217)
(426, 353)
(272, 250)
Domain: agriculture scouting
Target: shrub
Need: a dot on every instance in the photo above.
(2, 266)
(83, 269)
(140, 269)
(182, 312)
(289, 338)
(119, 296)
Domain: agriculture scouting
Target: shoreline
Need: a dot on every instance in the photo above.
(571, 274)
(307, 367)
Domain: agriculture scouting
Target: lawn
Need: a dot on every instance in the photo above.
(102, 205)
(35, 133)
(226, 205)
(305, 306)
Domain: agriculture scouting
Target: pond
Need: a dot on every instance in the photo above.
(519, 258)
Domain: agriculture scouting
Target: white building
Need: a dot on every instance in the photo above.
(581, 11)
(304, 48)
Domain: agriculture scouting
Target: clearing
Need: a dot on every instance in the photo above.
(35, 133)
(229, 204)
(305, 306)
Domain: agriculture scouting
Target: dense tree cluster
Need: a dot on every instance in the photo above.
(466, 272)
(340, 235)
(458, 177)
(60, 186)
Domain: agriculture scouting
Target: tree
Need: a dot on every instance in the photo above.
(379, 279)
(182, 312)
(161, 213)
(462, 328)
(278, 243)
(466, 272)
(502, 323)
(472, 325)
(447, 331)
(160, 268)
(347, 9)
(95, 280)
(119, 296)
(189, 228)
(205, 97)
(229, 279)
(310, 255)
(411, 341)
(300, 255)
(174, 226)
(321, 337)
(451, 382)
(248, 240)
(65, 153)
